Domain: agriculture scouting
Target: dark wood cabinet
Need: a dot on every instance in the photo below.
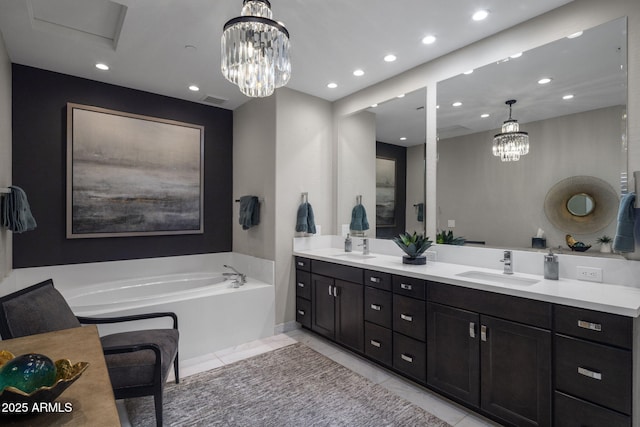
(337, 310)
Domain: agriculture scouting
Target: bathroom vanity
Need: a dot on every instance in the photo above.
(519, 349)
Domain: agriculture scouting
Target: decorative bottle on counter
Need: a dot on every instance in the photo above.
(551, 266)
(348, 245)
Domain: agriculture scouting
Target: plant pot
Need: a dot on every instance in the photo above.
(419, 260)
(605, 248)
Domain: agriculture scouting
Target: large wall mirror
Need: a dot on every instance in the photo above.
(576, 124)
(382, 158)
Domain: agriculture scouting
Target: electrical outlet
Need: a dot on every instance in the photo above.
(451, 223)
(431, 255)
(590, 274)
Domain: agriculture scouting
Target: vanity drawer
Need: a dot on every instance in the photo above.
(337, 271)
(409, 317)
(377, 279)
(303, 284)
(594, 372)
(303, 263)
(594, 325)
(378, 306)
(303, 312)
(410, 357)
(573, 412)
(414, 288)
(378, 343)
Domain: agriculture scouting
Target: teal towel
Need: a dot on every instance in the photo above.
(359, 220)
(249, 211)
(624, 240)
(15, 212)
(305, 221)
(420, 212)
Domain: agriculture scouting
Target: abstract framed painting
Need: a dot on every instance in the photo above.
(132, 175)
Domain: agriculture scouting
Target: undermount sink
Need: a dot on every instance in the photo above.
(500, 278)
(352, 255)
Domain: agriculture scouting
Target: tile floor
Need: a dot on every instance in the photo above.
(444, 409)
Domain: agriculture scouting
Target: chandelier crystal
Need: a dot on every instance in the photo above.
(255, 50)
(511, 143)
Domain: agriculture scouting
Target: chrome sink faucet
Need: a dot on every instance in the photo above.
(365, 246)
(239, 278)
(508, 262)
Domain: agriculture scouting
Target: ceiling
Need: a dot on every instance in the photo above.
(163, 46)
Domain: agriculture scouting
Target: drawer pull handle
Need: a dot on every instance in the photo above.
(406, 317)
(374, 279)
(330, 294)
(472, 329)
(407, 358)
(589, 373)
(300, 264)
(591, 326)
(406, 286)
(376, 307)
(483, 333)
(335, 291)
(301, 312)
(300, 285)
(375, 343)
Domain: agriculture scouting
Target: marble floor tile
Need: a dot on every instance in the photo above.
(244, 353)
(476, 421)
(361, 366)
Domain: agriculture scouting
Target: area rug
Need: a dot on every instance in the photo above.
(291, 386)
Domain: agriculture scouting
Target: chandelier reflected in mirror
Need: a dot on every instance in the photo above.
(511, 143)
(255, 50)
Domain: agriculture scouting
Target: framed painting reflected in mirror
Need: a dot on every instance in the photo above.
(385, 192)
(132, 175)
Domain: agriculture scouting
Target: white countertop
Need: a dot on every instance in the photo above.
(609, 298)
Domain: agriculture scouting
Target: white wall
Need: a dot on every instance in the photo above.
(415, 187)
(5, 150)
(303, 164)
(254, 163)
(566, 20)
(475, 187)
(356, 167)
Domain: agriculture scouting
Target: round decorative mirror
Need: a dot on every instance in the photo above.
(581, 204)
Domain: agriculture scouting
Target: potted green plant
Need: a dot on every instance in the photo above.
(414, 246)
(446, 238)
(605, 244)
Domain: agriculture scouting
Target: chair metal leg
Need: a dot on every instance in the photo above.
(175, 369)
(157, 398)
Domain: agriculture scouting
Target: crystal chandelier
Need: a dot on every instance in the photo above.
(510, 144)
(255, 50)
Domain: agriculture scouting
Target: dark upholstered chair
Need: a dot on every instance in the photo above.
(138, 362)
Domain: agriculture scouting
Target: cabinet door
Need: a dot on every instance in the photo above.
(350, 314)
(323, 306)
(516, 372)
(453, 352)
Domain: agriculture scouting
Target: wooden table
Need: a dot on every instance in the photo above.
(91, 395)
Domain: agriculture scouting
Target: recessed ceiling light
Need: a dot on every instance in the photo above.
(358, 73)
(429, 39)
(437, 107)
(194, 88)
(390, 58)
(567, 97)
(516, 55)
(468, 72)
(374, 105)
(102, 66)
(332, 85)
(480, 15)
(457, 104)
(403, 139)
(401, 95)
(574, 35)
(544, 81)
(484, 116)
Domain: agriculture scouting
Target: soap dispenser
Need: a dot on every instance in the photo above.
(348, 245)
(551, 266)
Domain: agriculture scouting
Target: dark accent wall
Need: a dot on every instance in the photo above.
(39, 167)
(399, 154)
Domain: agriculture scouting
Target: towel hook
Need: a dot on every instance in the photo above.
(359, 200)
(305, 197)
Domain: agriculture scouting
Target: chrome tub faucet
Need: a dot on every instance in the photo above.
(239, 278)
